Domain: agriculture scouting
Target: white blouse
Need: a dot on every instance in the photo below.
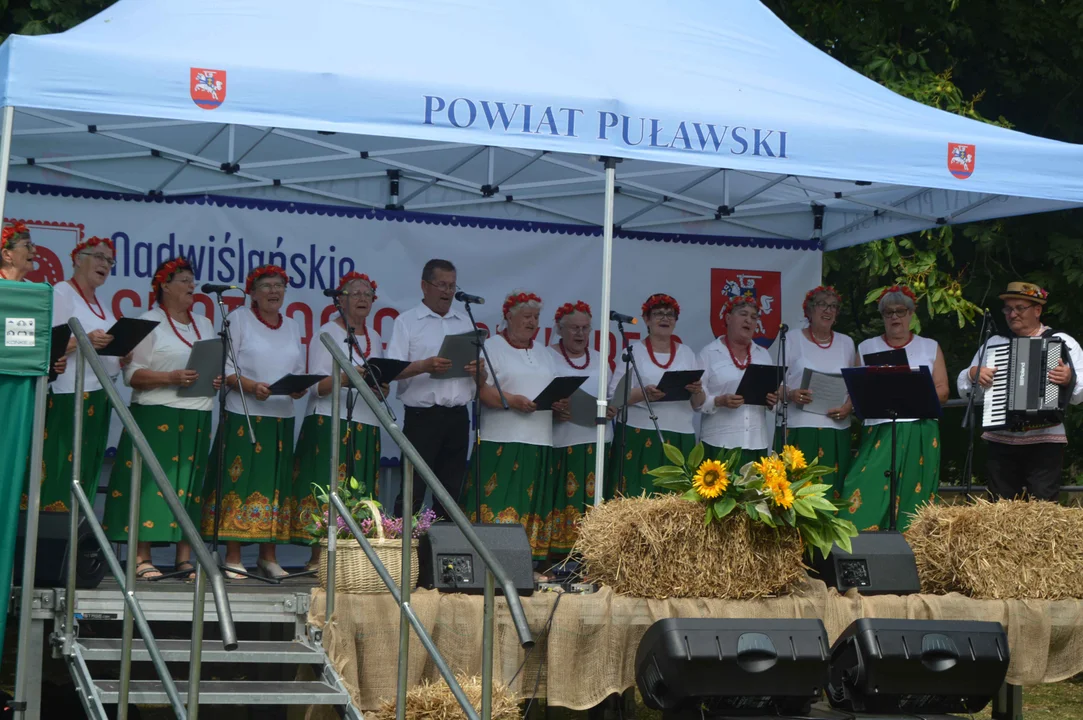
(520, 372)
(803, 353)
(748, 426)
(164, 351)
(674, 416)
(265, 356)
(319, 363)
(566, 434)
(68, 304)
(920, 351)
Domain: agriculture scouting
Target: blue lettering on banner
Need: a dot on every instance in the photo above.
(555, 121)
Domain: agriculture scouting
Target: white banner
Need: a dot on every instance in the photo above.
(225, 238)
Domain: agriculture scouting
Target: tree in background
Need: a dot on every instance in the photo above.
(1018, 63)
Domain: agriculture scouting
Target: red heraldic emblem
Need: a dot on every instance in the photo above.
(208, 87)
(961, 159)
(766, 285)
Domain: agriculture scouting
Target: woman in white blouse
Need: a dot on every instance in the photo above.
(178, 429)
(77, 297)
(659, 352)
(818, 347)
(313, 445)
(257, 487)
(516, 444)
(573, 445)
(17, 252)
(728, 423)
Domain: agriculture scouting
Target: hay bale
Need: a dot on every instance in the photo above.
(660, 548)
(434, 701)
(1006, 549)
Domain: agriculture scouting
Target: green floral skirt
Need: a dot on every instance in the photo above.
(180, 440)
(312, 465)
(573, 468)
(56, 458)
(257, 486)
(519, 488)
(866, 488)
(831, 446)
(641, 454)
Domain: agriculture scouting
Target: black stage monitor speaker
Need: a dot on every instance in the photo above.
(732, 667)
(880, 563)
(917, 666)
(51, 567)
(447, 562)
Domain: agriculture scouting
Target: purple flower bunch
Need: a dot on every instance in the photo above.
(392, 527)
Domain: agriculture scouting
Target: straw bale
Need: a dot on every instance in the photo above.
(660, 548)
(1007, 549)
(432, 700)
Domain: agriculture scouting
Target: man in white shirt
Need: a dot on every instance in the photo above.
(436, 419)
(1029, 459)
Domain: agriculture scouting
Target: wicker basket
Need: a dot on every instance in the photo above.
(353, 571)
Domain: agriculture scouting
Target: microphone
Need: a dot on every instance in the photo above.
(783, 328)
(617, 317)
(331, 292)
(463, 297)
(213, 288)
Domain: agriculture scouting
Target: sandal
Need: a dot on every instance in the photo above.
(235, 575)
(145, 570)
(187, 569)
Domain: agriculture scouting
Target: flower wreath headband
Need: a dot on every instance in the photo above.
(351, 276)
(567, 309)
(519, 299)
(13, 234)
(735, 301)
(899, 289)
(816, 291)
(92, 242)
(261, 272)
(661, 300)
(165, 274)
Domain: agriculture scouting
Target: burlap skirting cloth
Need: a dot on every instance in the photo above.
(589, 653)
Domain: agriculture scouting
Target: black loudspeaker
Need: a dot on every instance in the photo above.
(51, 568)
(701, 667)
(880, 563)
(917, 666)
(447, 562)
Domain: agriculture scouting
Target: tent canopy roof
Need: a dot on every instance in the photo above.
(726, 121)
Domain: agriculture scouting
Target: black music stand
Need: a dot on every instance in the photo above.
(894, 393)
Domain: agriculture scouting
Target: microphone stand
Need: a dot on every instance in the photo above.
(782, 407)
(630, 364)
(479, 350)
(975, 387)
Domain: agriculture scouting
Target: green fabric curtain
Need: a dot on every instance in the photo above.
(26, 311)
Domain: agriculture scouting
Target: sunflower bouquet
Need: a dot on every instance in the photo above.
(779, 490)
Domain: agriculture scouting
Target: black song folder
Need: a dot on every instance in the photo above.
(290, 384)
(127, 333)
(58, 348)
(895, 357)
(674, 381)
(384, 370)
(559, 389)
(758, 382)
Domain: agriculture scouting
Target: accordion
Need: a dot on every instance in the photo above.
(1022, 396)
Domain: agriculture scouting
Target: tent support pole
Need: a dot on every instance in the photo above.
(5, 155)
(603, 325)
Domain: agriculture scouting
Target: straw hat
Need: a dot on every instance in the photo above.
(1025, 291)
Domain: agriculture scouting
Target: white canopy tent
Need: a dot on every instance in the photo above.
(726, 122)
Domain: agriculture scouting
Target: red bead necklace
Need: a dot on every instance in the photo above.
(672, 353)
(100, 312)
(819, 344)
(528, 346)
(897, 347)
(191, 321)
(259, 317)
(368, 341)
(737, 363)
(568, 360)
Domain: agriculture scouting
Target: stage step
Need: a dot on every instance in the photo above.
(228, 692)
(283, 652)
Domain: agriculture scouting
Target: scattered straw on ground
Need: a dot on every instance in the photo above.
(1006, 549)
(660, 548)
(434, 701)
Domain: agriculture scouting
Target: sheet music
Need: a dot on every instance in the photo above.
(828, 391)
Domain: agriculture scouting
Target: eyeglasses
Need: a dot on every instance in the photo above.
(28, 245)
(896, 312)
(1010, 310)
(101, 257)
(272, 286)
(366, 294)
(442, 287)
(577, 329)
(829, 307)
(663, 314)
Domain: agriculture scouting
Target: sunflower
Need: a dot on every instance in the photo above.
(772, 469)
(781, 493)
(794, 458)
(711, 479)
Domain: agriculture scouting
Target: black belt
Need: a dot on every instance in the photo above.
(438, 409)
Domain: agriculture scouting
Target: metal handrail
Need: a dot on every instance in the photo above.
(511, 594)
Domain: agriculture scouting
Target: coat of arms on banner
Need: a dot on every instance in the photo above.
(208, 87)
(961, 159)
(766, 285)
